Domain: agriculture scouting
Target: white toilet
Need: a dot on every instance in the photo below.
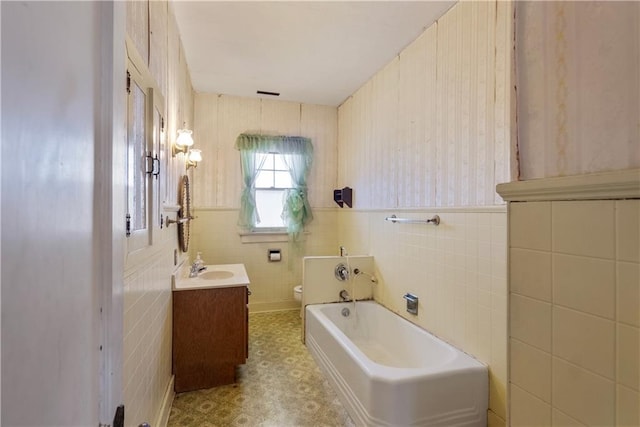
(297, 295)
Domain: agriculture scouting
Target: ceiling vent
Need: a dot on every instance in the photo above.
(264, 92)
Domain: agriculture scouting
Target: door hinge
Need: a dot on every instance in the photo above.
(128, 225)
(161, 124)
(128, 82)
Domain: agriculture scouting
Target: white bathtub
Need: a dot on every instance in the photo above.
(389, 372)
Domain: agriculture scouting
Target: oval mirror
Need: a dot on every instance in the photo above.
(184, 214)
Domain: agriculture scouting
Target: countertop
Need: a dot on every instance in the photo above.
(228, 275)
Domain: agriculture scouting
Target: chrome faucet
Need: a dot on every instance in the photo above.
(341, 272)
(344, 296)
(359, 272)
(412, 303)
(195, 269)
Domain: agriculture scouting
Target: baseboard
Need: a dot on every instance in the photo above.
(165, 409)
(259, 307)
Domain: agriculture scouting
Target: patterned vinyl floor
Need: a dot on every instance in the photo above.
(279, 386)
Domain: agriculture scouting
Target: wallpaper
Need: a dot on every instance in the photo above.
(578, 85)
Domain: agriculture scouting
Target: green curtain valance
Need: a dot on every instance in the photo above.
(274, 144)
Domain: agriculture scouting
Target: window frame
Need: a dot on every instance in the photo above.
(155, 182)
(267, 229)
(141, 237)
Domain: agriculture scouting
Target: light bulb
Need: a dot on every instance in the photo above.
(195, 155)
(184, 138)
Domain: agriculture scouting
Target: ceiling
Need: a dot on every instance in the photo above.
(316, 52)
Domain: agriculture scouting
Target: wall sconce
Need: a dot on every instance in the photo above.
(183, 142)
(194, 156)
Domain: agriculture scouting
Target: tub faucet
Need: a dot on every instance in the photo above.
(412, 303)
(344, 296)
(358, 272)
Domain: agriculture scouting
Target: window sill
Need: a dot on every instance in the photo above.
(263, 236)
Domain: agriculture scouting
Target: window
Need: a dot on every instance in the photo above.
(274, 174)
(144, 154)
(272, 182)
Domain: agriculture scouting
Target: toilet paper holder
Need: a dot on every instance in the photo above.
(274, 255)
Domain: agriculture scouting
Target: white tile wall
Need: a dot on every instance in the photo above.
(574, 336)
(529, 410)
(458, 270)
(147, 336)
(320, 284)
(214, 233)
(147, 282)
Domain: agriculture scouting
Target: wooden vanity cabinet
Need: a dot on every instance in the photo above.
(210, 336)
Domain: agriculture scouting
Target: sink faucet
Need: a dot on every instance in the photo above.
(195, 269)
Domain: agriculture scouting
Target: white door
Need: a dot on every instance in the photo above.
(61, 347)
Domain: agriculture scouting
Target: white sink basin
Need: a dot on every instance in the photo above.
(214, 276)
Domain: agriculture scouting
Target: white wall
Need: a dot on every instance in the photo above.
(430, 134)
(575, 312)
(574, 264)
(219, 119)
(147, 385)
(578, 78)
(52, 129)
(432, 127)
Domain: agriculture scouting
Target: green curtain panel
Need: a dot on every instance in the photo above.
(297, 152)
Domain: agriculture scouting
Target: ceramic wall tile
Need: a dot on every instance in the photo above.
(530, 273)
(528, 410)
(627, 407)
(531, 369)
(215, 235)
(584, 228)
(586, 284)
(628, 230)
(628, 355)
(593, 317)
(530, 225)
(585, 340)
(628, 293)
(530, 321)
(582, 395)
(559, 418)
(454, 304)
